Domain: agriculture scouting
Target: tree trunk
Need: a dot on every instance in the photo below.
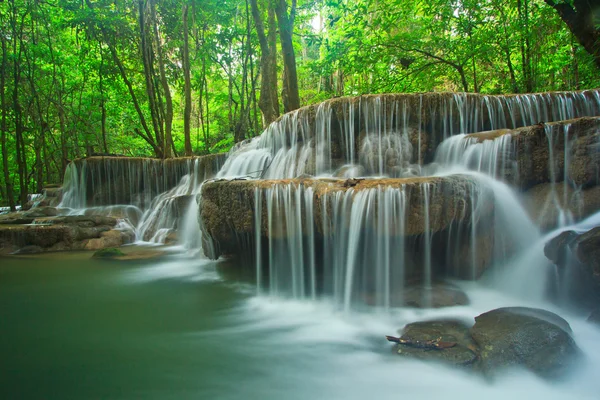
(290, 95)
(146, 50)
(168, 119)
(581, 16)
(102, 104)
(4, 127)
(187, 110)
(269, 105)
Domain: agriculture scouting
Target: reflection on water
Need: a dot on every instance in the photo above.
(186, 328)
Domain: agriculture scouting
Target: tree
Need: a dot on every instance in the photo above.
(285, 21)
(582, 17)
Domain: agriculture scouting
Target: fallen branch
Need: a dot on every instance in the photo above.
(425, 344)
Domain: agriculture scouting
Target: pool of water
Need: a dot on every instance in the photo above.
(187, 328)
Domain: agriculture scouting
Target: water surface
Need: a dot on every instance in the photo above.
(184, 328)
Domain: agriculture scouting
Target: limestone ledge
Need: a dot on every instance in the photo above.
(62, 233)
(532, 152)
(228, 207)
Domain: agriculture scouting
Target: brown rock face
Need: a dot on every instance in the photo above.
(228, 208)
(136, 180)
(540, 156)
(62, 233)
(541, 203)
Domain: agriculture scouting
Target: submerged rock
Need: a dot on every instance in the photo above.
(110, 252)
(437, 296)
(524, 337)
(128, 255)
(455, 333)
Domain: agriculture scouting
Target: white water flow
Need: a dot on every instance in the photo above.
(154, 200)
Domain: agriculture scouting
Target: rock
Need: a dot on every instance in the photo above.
(538, 154)
(524, 337)
(578, 257)
(546, 201)
(29, 250)
(346, 171)
(61, 233)
(118, 255)
(450, 331)
(438, 296)
(110, 252)
(134, 180)
(107, 239)
(595, 317)
(227, 209)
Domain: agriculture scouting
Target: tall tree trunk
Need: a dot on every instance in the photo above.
(187, 110)
(272, 70)
(267, 102)
(146, 134)
(168, 119)
(290, 94)
(146, 50)
(102, 104)
(4, 127)
(17, 50)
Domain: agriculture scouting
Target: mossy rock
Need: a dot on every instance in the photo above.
(462, 353)
(110, 252)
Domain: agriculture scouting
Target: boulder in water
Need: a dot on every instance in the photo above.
(524, 337)
(460, 348)
(578, 257)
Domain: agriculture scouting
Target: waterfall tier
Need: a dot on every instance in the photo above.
(102, 181)
(355, 238)
(390, 135)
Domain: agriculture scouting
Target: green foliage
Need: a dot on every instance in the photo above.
(73, 68)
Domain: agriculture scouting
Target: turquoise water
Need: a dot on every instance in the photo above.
(184, 328)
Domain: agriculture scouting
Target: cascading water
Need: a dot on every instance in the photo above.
(151, 198)
(360, 245)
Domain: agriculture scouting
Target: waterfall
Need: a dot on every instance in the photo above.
(393, 135)
(434, 200)
(152, 198)
(368, 243)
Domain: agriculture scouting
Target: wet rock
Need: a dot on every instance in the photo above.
(437, 296)
(137, 180)
(524, 337)
(110, 252)
(40, 212)
(545, 203)
(455, 333)
(119, 255)
(227, 210)
(62, 233)
(29, 250)
(538, 154)
(107, 239)
(595, 317)
(15, 218)
(577, 256)
(348, 171)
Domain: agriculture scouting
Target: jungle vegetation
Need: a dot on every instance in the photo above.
(169, 78)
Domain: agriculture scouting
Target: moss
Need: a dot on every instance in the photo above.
(110, 252)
